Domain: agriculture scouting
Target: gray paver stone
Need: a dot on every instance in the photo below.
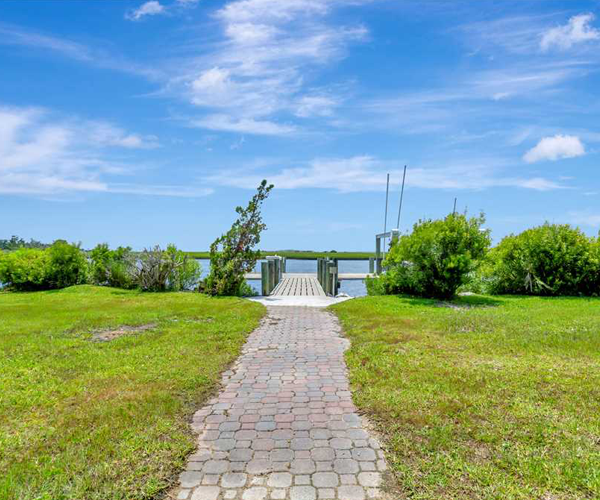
(284, 426)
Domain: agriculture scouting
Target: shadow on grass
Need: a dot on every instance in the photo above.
(460, 302)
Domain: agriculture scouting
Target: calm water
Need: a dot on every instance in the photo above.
(352, 288)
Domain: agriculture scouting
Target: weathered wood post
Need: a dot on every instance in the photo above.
(320, 272)
(271, 264)
(277, 264)
(334, 279)
(320, 263)
(371, 265)
(264, 278)
(284, 261)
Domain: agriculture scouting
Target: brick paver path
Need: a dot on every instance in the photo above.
(284, 426)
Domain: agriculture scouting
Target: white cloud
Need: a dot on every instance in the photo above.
(106, 134)
(261, 67)
(150, 8)
(225, 123)
(154, 190)
(41, 155)
(15, 35)
(315, 105)
(555, 148)
(512, 34)
(576, 31)
(365, 173)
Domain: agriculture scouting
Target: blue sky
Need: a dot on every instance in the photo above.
(139, 123)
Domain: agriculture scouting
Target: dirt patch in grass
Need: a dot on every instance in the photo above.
(115, 333)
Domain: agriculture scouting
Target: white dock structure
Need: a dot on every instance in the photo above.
(299, 285)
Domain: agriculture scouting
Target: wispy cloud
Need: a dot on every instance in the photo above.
(555, 148)
(260, 69)
(106, 134)
(151, 8)
(529, 34)
(227, 123)
(518, 35)
(577, 31)
(366, 173)
(19, 36)
(42, 155)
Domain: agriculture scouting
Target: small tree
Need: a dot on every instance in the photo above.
(232, 255)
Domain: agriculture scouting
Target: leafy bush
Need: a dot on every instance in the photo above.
(59, 266)
(232, 255)
(550, 259)
(435, 259)
(67, 265)
(166, 270)
(112, 267)
(24, 269)
(376, 286)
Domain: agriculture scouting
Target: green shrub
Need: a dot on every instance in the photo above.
(59, 266)
(186, 270)
(550, 259)
(159, 270)
(67, 265)
(246, 290)
(375, 286)
(112, 267)
(435, 259)
(24, 269)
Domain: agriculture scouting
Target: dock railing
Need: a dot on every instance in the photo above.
(393, 235)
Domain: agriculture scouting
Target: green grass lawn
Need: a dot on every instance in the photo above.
(85, 419)
(497, 399)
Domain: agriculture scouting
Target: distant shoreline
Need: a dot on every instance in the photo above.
(301, 255)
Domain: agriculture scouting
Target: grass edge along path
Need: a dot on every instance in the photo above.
(491, 398)
(84, 419)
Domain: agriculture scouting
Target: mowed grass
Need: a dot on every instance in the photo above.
(107, 420)
(497, 399)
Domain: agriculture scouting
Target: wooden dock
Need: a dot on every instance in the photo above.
(305, 285)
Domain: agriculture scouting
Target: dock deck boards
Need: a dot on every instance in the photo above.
(305, 285)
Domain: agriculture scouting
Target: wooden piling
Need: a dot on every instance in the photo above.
(264, 278)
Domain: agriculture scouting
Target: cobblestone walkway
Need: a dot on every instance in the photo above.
(284, 426)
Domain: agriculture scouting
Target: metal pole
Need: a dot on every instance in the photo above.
(401, 196)
(387, 195)
(454, 209)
